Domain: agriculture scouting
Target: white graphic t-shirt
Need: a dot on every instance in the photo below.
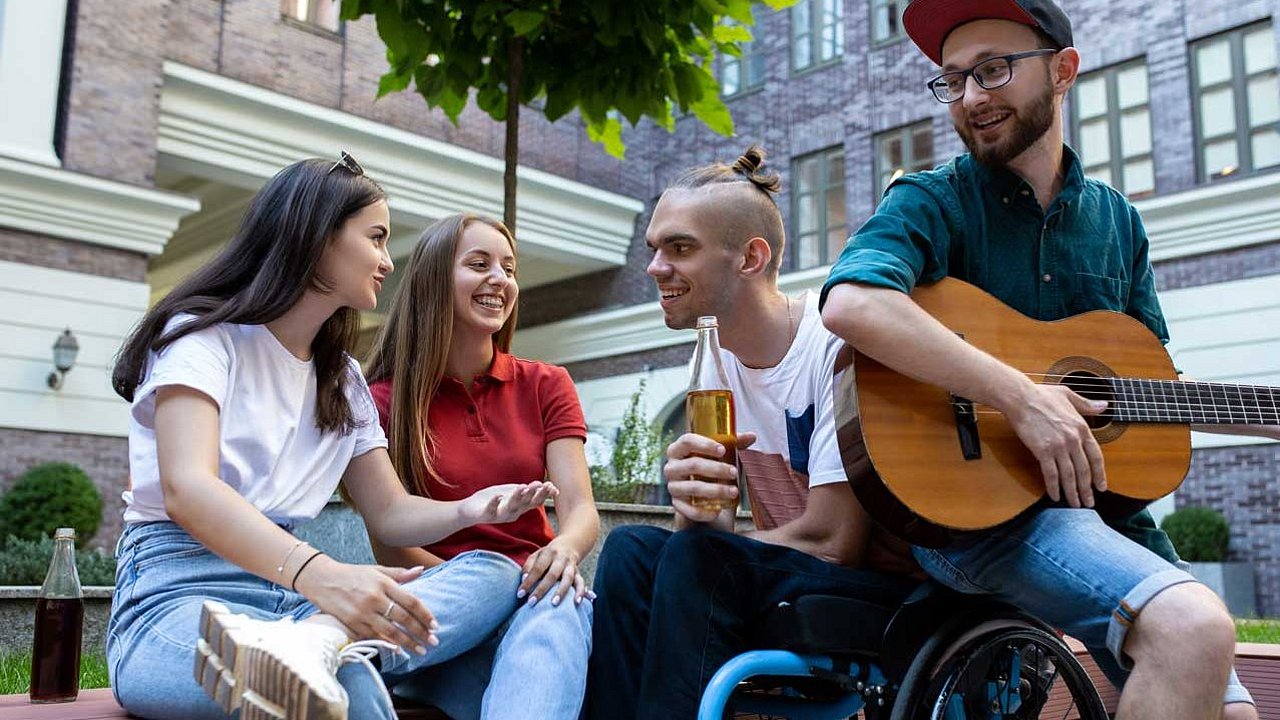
(789, 407)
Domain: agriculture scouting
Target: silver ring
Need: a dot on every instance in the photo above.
(387, 613)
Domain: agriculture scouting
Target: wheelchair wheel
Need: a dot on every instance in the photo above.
(1007, 668)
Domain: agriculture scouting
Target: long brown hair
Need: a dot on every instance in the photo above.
(262, 272)
(413, 345)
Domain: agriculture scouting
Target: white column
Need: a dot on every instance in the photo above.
(30, 66)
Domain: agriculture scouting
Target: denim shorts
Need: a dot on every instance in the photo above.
(1071, 570)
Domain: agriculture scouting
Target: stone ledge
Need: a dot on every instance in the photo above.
(31, 592)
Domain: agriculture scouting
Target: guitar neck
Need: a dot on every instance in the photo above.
(1176, 401)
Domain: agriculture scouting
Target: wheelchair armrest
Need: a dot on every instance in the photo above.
(827, 624)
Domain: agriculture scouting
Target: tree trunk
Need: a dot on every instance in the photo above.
(515, 69)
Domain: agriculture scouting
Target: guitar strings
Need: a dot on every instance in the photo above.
(1169, 400)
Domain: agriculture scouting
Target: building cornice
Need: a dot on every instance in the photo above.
(1212, 218)
(243, 134)
(52, 201)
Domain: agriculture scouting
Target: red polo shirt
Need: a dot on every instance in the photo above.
(496, 432)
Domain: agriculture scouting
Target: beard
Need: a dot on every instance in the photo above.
(1027, 127)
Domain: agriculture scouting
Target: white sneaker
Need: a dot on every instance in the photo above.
(270, 670)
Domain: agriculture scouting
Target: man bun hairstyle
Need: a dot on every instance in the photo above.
(750, 165)
(755, 212)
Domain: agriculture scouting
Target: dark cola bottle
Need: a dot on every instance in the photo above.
(55, 654)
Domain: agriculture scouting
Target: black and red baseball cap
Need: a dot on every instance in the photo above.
(929, 22)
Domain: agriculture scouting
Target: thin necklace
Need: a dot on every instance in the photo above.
(790, 331)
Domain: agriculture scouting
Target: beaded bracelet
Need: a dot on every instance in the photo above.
(293, 582)
(280, 567)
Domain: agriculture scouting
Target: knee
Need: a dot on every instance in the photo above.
(1186, 618)
(694, 553)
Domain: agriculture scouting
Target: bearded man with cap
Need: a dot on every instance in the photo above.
(1017, 217)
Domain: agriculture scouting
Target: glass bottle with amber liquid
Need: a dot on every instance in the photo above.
(55, 654)
(709, 405)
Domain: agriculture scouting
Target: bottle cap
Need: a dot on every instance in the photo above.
(65, 533)
(708, 321)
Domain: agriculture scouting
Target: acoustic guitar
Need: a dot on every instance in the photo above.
(928, 465)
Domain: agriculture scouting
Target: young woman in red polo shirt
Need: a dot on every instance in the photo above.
(463, 414)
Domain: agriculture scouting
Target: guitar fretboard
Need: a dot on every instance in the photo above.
(1175, 401)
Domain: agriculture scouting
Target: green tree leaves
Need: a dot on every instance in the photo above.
(642, 59)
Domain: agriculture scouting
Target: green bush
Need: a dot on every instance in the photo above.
(25, 562)
(1199, 534)
(48, 497)
(636, 451)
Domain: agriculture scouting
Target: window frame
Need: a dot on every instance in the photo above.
(1239, 84)
(312, 20)
(750, 53)
(813, 35)
(1116, 158)
(824, 186)
(907, 133)
(898, 36)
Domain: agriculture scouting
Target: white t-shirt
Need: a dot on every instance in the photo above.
(789, 407)
(270, 450)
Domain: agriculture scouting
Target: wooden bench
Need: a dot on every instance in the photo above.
(101, 705)
(1258, 665)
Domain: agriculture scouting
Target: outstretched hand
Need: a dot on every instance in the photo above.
(498, 504)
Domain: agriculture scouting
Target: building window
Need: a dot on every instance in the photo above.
(746, 72)
(817, 32)
(1111, 125)
(319, 13)
(1237, 102)
(817, 207)
(903, 150)
(886, 20)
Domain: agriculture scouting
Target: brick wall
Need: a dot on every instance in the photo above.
(23, 247)
(105, 459)
(1241, 483)
(112, 107)
(1238, 264)
(631, 363)
(117, 76)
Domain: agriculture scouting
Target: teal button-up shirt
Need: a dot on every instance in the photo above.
(1088, 251)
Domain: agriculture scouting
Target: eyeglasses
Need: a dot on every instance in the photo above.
(990, 74)
(346, 161)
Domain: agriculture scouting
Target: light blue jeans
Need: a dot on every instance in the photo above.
(164, 576)
(1068, 568)
(535, 666)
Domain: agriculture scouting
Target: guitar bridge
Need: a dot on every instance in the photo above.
(966, 427)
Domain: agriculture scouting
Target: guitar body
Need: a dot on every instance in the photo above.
(925, 489)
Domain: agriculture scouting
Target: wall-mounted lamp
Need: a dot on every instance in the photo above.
(64, 357)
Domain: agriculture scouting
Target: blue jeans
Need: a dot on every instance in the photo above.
(164, 576)
(671, 608)
(535, 666)
(1068, 568)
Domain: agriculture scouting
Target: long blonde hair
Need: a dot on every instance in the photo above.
(413, 345)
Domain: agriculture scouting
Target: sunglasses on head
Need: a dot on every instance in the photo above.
(346, 161)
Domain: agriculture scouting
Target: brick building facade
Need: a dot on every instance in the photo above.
(147, 124)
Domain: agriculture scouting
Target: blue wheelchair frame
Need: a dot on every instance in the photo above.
(892, 654)
(783, 663)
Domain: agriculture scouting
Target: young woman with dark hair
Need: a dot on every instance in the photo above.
(462, 415)
(247, 411)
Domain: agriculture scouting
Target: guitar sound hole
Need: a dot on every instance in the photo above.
(1093, 387)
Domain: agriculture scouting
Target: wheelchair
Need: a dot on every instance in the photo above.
(941, 655)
